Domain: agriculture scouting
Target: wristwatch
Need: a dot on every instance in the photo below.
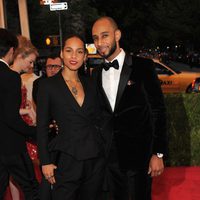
(159, 155)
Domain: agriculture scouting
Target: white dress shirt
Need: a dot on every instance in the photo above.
(110, 79)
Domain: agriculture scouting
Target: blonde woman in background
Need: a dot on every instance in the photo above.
(24, 58)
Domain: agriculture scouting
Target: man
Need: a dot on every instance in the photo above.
(14, 159)
(134, 111)
(52, 67)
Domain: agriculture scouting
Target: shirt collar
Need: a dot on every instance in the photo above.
(4, 62)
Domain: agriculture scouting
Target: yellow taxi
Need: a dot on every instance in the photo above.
(173, 80)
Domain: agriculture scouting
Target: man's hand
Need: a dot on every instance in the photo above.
(156, 166)
(48, 171)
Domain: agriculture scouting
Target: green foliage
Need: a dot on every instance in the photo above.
(183, 114)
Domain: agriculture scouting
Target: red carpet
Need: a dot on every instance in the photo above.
(176, 183)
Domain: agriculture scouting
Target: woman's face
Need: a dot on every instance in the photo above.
(27, 62)
(73, 53)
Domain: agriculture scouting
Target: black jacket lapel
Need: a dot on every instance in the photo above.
(124, 77)
(68, 96)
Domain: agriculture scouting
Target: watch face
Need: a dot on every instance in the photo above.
(159, 155)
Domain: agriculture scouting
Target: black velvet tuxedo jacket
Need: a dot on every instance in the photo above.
(13, 130)
(79, 133)
(138, 123)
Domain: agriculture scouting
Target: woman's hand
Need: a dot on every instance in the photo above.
(32, 115)
(53, 125)
(48, 172)
(28, 104)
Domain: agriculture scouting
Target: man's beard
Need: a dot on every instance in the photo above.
(114, 47)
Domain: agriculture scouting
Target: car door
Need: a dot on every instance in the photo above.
(168, 79)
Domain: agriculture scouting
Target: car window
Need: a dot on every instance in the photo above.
(178, 67)
(162, 70)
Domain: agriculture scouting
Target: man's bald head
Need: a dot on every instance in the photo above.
(107, 19)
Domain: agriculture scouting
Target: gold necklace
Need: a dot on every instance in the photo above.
(74, 90)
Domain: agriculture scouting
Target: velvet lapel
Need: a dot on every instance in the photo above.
(69, 97)
(101, 89)
(124, 77)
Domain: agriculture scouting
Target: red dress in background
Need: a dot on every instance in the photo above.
(31, 145)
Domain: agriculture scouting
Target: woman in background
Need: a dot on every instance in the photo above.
(24, 58)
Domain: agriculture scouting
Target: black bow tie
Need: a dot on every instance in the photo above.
(113, 64)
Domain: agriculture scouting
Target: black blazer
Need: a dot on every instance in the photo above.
(79, 134)
(13, 130)
(138, 123)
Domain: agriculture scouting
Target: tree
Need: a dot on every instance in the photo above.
(146, 23)
(79, 17)
(176, 22)
(42, 22)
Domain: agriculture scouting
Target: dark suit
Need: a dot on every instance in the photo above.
(45, 187)
(14, 159)
(136, 128)
(79, 142)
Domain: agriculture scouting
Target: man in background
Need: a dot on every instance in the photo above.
(52, 67)
(14, 158)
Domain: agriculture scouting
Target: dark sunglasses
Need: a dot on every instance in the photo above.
(53, 66)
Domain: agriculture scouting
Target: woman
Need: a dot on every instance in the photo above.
(70, 99)
(24, 58)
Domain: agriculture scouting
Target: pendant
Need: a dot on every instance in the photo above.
(74, 91)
